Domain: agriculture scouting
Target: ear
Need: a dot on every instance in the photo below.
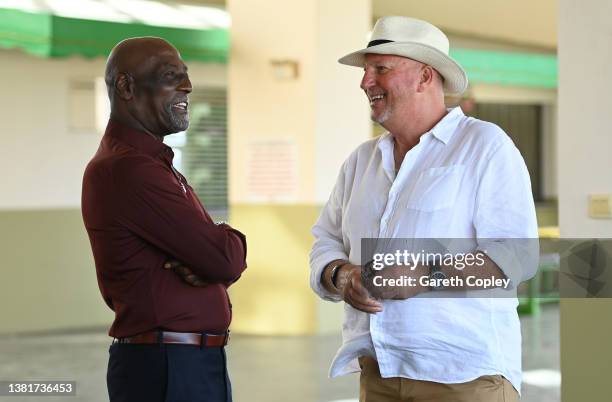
(427, 78)
(124, 86)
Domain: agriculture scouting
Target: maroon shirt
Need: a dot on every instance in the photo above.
(139, 213)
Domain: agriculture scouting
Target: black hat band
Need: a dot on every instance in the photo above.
(378, 42)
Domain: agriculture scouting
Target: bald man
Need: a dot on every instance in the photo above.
(163, 266)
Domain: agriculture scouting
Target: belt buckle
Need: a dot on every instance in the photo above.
(204, 337)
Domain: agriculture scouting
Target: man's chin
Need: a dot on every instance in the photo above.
(378, 118)
(179, 125)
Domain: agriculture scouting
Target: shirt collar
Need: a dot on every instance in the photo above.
(385, 145)
(445, 128)
(138, 139)
(385, 142)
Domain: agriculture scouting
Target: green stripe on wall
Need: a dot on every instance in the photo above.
(508, 68)
(46, 35)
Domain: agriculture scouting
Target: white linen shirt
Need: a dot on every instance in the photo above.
(464, 179)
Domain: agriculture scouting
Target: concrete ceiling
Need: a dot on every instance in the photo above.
(529, 23)
(522, 22)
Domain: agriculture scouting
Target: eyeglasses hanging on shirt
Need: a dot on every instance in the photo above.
(179, 177)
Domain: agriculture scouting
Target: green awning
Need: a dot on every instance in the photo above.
(47, 35)
(508, 68)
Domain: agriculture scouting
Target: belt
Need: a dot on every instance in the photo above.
(177, 338)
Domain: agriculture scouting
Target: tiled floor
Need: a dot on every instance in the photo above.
(266, 369)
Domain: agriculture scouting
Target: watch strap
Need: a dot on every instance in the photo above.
(334, 272)
(436, 273)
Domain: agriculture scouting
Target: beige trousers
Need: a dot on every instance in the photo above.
(374, 388)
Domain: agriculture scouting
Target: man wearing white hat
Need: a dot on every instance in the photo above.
(435, 173)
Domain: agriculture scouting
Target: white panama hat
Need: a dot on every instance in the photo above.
(415, 39)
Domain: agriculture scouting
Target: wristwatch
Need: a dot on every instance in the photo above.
(435, 273)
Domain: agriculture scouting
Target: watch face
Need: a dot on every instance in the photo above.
(438, 275)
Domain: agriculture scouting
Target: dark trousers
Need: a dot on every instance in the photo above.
(167, 373)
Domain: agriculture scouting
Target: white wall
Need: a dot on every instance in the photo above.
(42, 159)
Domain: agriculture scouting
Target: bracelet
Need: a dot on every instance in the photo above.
(334, 272)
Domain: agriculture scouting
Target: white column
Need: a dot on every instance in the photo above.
(294, 115)
(585, 167)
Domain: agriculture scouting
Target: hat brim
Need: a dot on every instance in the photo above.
(455, 78)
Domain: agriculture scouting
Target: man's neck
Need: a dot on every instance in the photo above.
(131, 122)
(408, 132)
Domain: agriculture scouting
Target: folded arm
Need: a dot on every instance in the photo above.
(155, 208)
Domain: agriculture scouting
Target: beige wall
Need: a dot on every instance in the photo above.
(48, 276)
(343, 111)
(585, 167)
(261, 107)
(322, 111)
(322, 114)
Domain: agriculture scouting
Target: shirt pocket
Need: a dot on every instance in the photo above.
(436, 188)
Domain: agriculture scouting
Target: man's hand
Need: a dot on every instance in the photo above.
(353, 292)
(394, 282)
(185, 273)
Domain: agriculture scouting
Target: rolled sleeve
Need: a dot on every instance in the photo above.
(317, 266)
(505, 218)
(516, 258)
(328, 245)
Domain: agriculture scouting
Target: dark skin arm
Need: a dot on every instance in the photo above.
(185, 273)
